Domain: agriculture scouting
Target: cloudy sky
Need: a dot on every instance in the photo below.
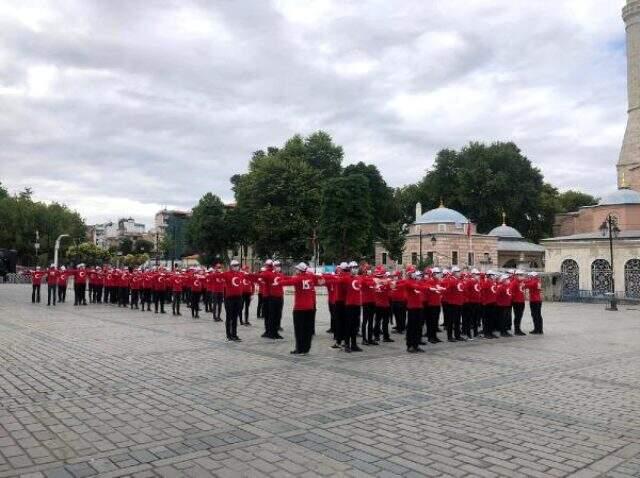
(118, 107)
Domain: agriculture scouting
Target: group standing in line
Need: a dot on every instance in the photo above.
(362, 301)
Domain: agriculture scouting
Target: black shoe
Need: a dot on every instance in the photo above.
(388, 340)
(294, 352)
(265, 336)
(461, 339)
(336, 346)
(247, 323)
(451, 340)
(432, 341)
(356, 349)
(422, 343)
(505, 334)
(329, 331)
(437, 340)
(278, 336)
(418, 349)
(411, 350)
(237, 339)
(347, 349)
(374, 342)
(519, 333)
(365, 342)
(280, 329)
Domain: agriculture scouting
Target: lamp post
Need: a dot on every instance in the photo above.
(57, 249)
(421, 247)
(434, 241)
(610, 227)
(37, 245)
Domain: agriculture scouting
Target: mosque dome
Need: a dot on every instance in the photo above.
(621, 196)
(505, 232)
(442, 215)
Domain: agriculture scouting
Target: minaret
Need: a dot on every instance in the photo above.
(629, 162)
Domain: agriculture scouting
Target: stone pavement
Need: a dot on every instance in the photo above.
(101, 390)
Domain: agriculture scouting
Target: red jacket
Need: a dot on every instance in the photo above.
(52, 276)
(472, 291)
(79, 276)
(382, 289)
(517, 290)
(432, 293)
(368, 290)
(199, 283)
(352, 286)
(176, 283)
(62, 278)
(232, 283)
(503, 295)
(534, 286)
(136, 281)
(247, 284)
(305, 290)
(488, 290)
(454, 293)
(415, 293)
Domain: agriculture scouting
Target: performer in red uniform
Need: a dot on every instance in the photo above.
(503, 305)
(433, 294)
(247, 293)
(80, 285)
(517, 296)
(353, 303)
(176, 292)
(368, 294)
(398, 296)
(197, 288)
(135, 285)
(159, 288)
(488, 290)
(454, 299)
(534, 286)
(304, 307)
(232, 299)
(383, 304)
(36, 281)
(52, 284)
(471, 307)
(63, 277)
(218, 294)
(415, 291)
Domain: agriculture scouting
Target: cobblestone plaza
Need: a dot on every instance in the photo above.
(99, 390)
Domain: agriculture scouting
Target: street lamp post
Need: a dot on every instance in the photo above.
(421, 247)
(434, 241)
(37, 245)
(610, 227)
(57, 248)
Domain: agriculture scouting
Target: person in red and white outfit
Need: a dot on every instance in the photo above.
(36, 281)
(304, 307)
(534, 286)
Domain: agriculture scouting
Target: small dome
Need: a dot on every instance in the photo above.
(505, 232)
(621, 196)
(442, 215)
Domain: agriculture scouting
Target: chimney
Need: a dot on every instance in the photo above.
(418, 210)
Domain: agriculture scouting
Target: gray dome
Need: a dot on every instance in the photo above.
(442, 215)
(505, 232)
(621, 196)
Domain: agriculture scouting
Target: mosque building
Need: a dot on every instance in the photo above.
(444, 237)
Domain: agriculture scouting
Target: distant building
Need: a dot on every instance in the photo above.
(444, 237)
(109, 234)
(172, 225)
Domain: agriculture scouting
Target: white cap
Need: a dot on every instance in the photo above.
(301, 267)
(504, 277)
(262, 269)
(475, 271)
(234, 263)
(52, 265)
(268, 262)
(353, 264)
(37, 268)
(436, 270)
(490, 273)
(63, 268)
(343, 265)
(276, 263)
(210, 269)
(511, 271)
(533, 274)
(455, 269)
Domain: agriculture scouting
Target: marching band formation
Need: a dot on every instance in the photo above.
(362, 301)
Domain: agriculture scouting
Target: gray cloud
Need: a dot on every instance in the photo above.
(119, 107)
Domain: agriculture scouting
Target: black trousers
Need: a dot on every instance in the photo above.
(470, 320)
(382, 322)
(123, 296)
(452, 316)
(536, 316)
(207, 299)
(158, 300)
(414, 327)
(340, 332)
(259, 314)
(62, 293)
(79, 292)
(52, 291)
(246, 302)
(518, 312)
(114, 295)
(98, 293)
(146, 298)
(233, 308)
(400, 314)
(135, 298)
(503, 318)
(488, 319)
(368, 313)
(352, 325)
(332, 316)
(216, 307)
(275, 312)
(432, 315)
(175, 303)
(195, 303)
(35, 293)
(303, 329)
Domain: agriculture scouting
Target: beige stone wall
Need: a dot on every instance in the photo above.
(590, 219)
(584, 253)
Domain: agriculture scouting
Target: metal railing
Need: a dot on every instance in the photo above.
(590, 296)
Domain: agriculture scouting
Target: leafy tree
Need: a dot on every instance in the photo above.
(323, 155)
(89, 254)
(280, 198)
(142, 246)
(345, 218)
(125, 246)
(394, 239)
(135, 260)
(206, 231)
(571, 200)
(483, 181)
(3, 191)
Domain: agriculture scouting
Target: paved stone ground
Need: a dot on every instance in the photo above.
(100, 390)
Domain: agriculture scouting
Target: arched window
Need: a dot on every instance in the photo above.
(632, 278)
(601, 277)
(570, 278)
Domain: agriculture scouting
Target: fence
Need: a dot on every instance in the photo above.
(589, 296)
(12, 278)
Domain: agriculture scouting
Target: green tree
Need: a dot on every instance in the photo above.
(345, 218)
(394, 239)
(143, 246)
(89, 254)
(483, 181)
(206, 231)
(280, 197)
(125, 246)
(322, 154)
(570, 201)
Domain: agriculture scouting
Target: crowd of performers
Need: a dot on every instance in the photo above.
(362, 301)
